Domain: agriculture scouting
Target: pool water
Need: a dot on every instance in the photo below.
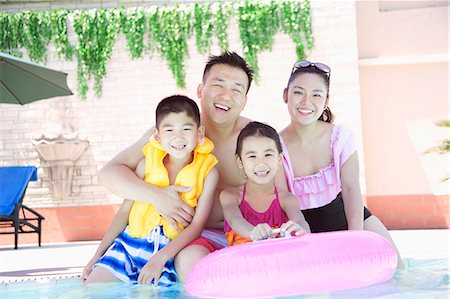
(425, 278)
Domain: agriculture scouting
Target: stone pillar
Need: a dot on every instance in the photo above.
(58, 156)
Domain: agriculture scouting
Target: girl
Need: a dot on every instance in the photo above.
(320, 159)
(253, 211)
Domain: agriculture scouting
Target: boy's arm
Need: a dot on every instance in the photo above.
(118, 175)
(290, 205)
(117, 225)
(153, 268)
(229, 199)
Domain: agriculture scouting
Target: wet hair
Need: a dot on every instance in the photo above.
(231, 59)
(177, 104)
(257, 129)
(327, 115)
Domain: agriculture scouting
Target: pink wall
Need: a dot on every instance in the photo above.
(404, 89)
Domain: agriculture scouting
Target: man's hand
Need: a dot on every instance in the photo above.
(173, 208)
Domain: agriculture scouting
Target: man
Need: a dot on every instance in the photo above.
(223, 95)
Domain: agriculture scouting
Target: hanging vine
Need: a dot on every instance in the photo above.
(258, 24)
(168, 29)
(221, 14)
(133, 24)
(58, 22)
(203, 27)
(296, 22)
(96, 31)
(11, 33)
(37, 34)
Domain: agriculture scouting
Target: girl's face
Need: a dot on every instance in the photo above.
(259, 159)
(306, 97)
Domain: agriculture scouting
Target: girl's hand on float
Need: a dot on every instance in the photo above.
(291, 228)
(261, 231)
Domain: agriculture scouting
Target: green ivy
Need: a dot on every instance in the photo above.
(203, 26)
(168, 29)
(58, 21)
(96, 31)
(258, 23)
(133, 24)
(37, 34)
(11, 33)
(221, 15)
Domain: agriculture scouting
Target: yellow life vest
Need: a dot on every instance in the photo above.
(143, 216)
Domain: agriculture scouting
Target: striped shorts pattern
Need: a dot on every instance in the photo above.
(127, 256)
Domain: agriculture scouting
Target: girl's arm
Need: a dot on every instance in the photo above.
(229, 199)
(291, 206)
(152, 270)
(351, 193)
(117, 225)
(119, 177)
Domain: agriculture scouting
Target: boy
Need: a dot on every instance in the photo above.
(141, 242)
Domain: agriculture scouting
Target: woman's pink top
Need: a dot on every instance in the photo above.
(320, 189)
(274, 215)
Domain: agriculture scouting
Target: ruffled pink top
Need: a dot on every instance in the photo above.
(320, 189)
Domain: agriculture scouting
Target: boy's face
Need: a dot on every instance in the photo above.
(223, 94)
(179, 134)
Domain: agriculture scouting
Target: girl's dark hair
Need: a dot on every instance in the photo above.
(327, 115)
(177, 104)
(256, 129)
(231, 59)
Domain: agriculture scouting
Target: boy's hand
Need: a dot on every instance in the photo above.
(173, 208)
(88, 269)
(152, 270)
(261, 231)
(291, 228)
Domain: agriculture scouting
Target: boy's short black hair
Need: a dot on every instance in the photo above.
(177, 104)
(256, 129)
(232, 59)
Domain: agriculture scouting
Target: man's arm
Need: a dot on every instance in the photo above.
(153, 268)
(118, 175)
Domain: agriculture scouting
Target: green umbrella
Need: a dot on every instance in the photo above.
(23, 82)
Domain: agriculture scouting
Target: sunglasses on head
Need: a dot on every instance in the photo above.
(303, 64)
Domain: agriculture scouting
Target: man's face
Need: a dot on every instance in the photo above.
(223, 94)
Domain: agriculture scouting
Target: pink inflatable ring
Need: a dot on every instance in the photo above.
(312, 263)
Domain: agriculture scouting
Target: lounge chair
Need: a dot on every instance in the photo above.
(13, 213)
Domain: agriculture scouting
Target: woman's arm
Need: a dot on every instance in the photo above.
(351, 193)
(291, 206)
(119, 177)
(153, 268)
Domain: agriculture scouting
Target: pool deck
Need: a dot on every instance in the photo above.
(67, 260)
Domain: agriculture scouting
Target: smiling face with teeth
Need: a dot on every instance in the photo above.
(306, 97)
(179, 134)
(223, 94)
(259, 159)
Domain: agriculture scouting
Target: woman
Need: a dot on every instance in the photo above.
(320, 159)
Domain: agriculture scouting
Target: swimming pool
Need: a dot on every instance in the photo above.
(425, 278)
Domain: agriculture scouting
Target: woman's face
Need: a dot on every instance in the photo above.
(306, 97)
